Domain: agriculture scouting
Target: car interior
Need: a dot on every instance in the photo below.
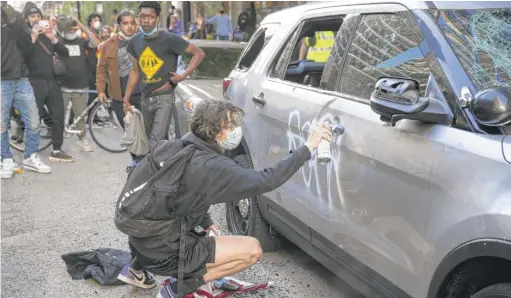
(309, 72)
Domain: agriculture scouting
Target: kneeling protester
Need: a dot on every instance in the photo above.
(167, 197)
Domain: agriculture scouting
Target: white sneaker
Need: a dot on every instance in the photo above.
(84, 145)
(7, 168)
(34, 163)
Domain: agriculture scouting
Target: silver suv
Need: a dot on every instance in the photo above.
(416, 201)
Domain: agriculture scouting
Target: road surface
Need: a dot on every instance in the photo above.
(45, 216)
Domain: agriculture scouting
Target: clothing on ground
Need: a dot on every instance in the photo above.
(157, 57)
(102, 265)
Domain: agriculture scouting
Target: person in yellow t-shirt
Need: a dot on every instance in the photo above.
(318, 47)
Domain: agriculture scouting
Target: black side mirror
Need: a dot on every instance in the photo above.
(397, 99)
(492, 106)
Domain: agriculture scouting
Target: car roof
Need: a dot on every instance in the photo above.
(204, 43)
(283, 16)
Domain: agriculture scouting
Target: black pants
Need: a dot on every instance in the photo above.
(47, 92)
(118, 107)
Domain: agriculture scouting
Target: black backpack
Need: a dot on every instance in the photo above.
(145, 207)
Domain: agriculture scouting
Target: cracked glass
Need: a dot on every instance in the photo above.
(481, 39)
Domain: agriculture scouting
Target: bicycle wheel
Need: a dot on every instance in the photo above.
(108, 132)
(17, 135)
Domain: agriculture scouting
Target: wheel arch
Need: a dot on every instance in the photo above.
(487, 247)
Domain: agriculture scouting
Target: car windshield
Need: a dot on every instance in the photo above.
(481, 40)
(219, 61)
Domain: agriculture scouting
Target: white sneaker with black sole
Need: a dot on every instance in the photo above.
(34, 163)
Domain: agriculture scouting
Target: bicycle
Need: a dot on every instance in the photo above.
(104, 127)
(102, 124)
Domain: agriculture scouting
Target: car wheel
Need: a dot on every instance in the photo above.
(244, 217)
(495, 291)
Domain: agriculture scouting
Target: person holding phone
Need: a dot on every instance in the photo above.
(38, 53)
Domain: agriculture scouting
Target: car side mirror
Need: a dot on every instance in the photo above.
(492, 106)
(396, 99)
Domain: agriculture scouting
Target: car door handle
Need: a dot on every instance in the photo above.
(259, 99)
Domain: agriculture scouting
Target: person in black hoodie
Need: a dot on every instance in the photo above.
(17, 92)
(38, 53)
(209, 178)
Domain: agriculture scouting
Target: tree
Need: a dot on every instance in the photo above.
(88, 7)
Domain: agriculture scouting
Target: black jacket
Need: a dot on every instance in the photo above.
(39, 62)
(213, 178)
(13, 66)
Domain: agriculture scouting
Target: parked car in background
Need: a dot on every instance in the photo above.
(416, 201)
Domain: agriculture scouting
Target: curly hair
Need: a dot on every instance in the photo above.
(92, 16)
(211, 116)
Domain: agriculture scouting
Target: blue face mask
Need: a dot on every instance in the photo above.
(155, 29)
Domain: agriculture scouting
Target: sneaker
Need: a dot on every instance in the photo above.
(35, 164)
(60, 156)
(140, 279)
(225, 285)
(7, 168)
(84, 145)
(167, 292)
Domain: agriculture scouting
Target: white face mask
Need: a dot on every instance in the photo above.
(96, 25)
(73, 36)
(233, 139)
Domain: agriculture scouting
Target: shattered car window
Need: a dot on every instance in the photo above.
(481, 40)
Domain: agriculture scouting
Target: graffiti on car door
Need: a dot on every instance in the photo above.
(310, 171)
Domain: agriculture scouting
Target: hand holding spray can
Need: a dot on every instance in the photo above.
(324, 151)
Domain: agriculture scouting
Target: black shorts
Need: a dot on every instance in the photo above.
(197, 254)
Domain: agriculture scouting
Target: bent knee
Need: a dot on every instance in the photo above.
(256, 250)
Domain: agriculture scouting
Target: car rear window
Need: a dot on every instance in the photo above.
(481, 40)
(218, 63)
(257, 44)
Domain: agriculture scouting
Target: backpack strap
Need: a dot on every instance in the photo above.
(181, 260)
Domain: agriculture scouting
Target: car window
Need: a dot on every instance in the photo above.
(384, 45)
(218, 63)
(303, 58)
(481, 39)
(256, 45)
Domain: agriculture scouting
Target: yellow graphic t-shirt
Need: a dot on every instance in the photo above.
(157, 57)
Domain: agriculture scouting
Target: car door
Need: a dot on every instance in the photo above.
(375, 211)
(284, 111)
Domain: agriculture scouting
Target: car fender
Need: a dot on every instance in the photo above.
(484, 247)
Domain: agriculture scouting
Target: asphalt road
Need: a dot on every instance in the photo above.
(45, 216)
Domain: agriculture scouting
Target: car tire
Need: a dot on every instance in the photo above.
(495, 291)
(254, 224)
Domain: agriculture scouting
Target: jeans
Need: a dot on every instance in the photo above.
(47, 92)
(157, 113)
(20, 94)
